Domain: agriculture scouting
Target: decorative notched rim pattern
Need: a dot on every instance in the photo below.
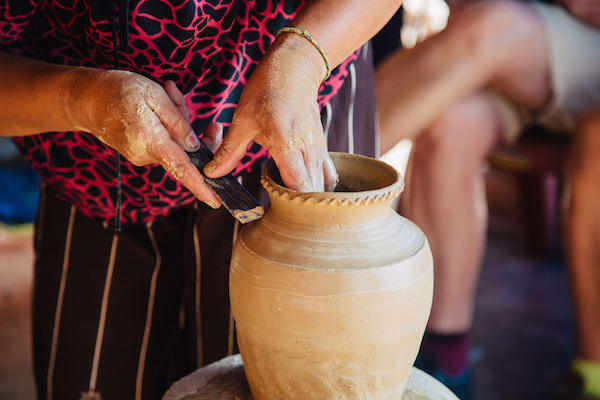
(335, 198)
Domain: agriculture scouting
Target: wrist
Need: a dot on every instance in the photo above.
(306, 35)
(81, 87)
(297, 54)
(52, 87)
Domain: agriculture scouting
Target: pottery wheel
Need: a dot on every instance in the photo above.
(226, 380)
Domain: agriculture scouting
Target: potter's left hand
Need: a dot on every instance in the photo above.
(278, 109)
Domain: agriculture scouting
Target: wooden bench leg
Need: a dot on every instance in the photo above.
(539, 202)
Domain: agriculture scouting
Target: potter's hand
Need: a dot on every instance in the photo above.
(278, 109)
(146, 123)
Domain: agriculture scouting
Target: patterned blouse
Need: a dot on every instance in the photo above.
(207, 47)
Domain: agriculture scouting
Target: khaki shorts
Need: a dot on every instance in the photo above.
(574, 67)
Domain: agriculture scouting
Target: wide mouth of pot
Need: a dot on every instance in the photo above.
(360, 178)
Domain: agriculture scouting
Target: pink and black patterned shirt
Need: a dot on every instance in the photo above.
(208, 47)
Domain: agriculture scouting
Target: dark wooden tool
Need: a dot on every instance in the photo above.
(234, 197)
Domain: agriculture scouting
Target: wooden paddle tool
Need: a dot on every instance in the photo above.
(234, 197)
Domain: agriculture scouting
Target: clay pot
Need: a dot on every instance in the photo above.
(331, 292)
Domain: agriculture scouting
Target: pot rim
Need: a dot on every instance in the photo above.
(385, 193)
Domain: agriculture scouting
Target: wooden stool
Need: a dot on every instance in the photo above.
(226, 380)
(536, 162)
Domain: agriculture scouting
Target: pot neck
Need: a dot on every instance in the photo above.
(370, 186)
(305, 210)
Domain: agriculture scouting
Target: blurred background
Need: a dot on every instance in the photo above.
(19, 191)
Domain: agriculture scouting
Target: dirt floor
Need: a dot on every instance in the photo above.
(523, 332)
(523, 329)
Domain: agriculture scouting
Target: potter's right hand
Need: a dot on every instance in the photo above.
(145, 122)
(278, 109)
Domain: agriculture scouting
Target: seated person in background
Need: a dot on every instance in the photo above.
(498, 66)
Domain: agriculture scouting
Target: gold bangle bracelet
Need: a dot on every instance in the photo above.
(307, 36)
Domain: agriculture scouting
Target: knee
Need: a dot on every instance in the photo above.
(439, 144)
(495, 17)
(462, 136)
(492, 27)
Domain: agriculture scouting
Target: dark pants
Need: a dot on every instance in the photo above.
(121, 315)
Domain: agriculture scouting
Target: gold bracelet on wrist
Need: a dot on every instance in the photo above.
(307, 36)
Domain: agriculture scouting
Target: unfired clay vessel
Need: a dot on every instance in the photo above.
(331, 291)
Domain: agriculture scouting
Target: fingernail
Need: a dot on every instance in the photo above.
(210, 167)
(192, 142)
(213, 204)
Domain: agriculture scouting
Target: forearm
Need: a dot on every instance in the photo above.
(35, 96)
(342, 26)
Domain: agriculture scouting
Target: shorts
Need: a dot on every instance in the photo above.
(574, 70)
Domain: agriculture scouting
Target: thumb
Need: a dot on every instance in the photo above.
(213, 135)
(229, 153)
(172, 119)
(177, 97)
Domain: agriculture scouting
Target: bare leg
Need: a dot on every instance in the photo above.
(501, 43)
(434, 91)
(446, 198)
(583, 235)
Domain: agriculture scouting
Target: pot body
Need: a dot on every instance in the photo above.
(332, 301)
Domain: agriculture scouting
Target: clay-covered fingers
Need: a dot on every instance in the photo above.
(309, 140)
(229, 153)
(318, 162)
(170, 115)
(177, 97)
(313, 163)
(177, 163)
(213, 135)
(292, 168)
(330, 175)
